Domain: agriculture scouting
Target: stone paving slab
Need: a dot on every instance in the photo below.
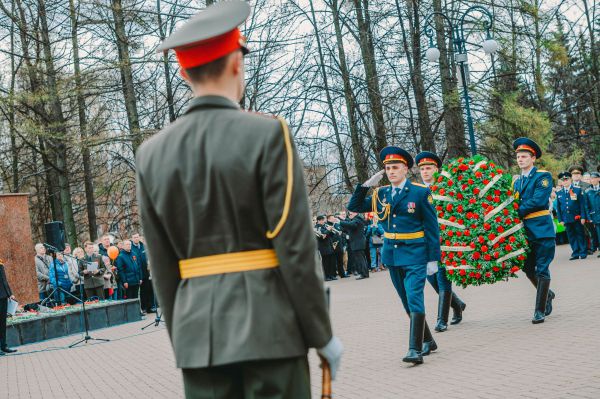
(494, 353)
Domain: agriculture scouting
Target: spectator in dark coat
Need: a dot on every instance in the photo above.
(60, 271)
(354, 226)
(375, 235)
(129, 271)
(5, 295)
(146, 290)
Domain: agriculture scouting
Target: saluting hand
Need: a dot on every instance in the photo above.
(375, 179)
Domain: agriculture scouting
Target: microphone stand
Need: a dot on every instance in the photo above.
(57, 289)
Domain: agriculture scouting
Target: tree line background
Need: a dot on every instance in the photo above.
(81, 87)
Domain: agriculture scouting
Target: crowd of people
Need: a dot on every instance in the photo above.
(349, 244)
(88, 273)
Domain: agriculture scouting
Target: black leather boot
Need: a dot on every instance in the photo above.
(443, 311)
(415, 344)
(541, 300)
(458, 307)
(6, 349)
(551, 296)
(429, 344)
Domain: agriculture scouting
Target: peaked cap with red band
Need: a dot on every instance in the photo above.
(209, 35)
(525, 144)
(393, 154)
(428, 158)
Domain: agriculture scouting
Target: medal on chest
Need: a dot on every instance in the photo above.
(573, 195)
(411, 207)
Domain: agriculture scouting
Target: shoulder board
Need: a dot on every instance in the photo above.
(387, 185)
(418, 184)
(270, 116)
(542, 171)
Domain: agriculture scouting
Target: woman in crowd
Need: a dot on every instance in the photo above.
(60, 270)
(76, 279)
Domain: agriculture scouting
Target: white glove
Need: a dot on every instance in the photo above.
(374, 180)
(332, 352)
(432, 267)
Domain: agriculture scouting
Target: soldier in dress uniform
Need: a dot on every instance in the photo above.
(571, 212)
(576, 172)
(578, 180)
(243, 299)
(411, 243)
(429, 163)
(592, 202)
(325, 245)
(532, 191)
(337, 242)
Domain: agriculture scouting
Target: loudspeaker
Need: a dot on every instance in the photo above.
(55, 235)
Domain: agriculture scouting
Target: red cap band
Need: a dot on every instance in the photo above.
(427, 161)
(524, 147)
(208, 51)
(394, 158)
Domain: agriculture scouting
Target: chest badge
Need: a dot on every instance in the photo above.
(545, 183)
(411, 207)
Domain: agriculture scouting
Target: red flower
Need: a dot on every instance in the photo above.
(459, 233)
(499, 171)
(478, 275)
(450, 233)
(502, 240)
(496, 255)
(508, 221)
(488, 275)
(472, 201)
(496, 269)
(515, 205)
(449, 207)
(489, 197)
(500, 229)
(471, 274)
(454, 170)
(476, 255)
(463, 261)
(521, 257)
(461, 159)
(450, 272)
(496, 192)
(462, 272)
(452, 218)
(487, 257)
(512, 239)
(433, 188)
(509, 192)
(476, 190)
(460, 209)
(487, 226)
(514, 269)
(472, 245)
(440, 178)
(471, 181)
(443, 227)
(481, 239)
(496, 199)
(463, 167)
(450, 255)
(459, 196)
(451, 193)
(438, 207)
(505, 212)
(492, 236)
(442, 191)
(441, 215)
(450, 183)
(498, 219)
(508, 248)
(478, 175)
(485, 166)
(517, 220)
(484, 248)
(577, 217)
(467, 233)
(471, 162)
(485, 181)
(459, 178)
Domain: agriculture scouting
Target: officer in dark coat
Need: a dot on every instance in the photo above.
(571, 212)
(354, 227)
(429, 163)
(411, 243)
(5, 295)
(324, 243)
(592, 202)
(130, 272)
(337, 242)
(532, 191)
(225, 214)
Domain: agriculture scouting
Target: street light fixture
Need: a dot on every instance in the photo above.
(457, 35)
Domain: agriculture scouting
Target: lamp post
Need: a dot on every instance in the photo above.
(457, 35)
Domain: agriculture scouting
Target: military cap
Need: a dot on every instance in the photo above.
(392, 154)
(576, 168)
(525, 144)
(428, 158)
(209, 35)
(564, 174)
(595, 174)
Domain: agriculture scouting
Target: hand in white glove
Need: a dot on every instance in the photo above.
(374, 180)
(432, 267)
(332, 353)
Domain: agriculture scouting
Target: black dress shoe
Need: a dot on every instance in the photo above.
(551, 296)
(6, 349)
(583, 257)
(413, 356)
(360, 277)
(574, 257)
(151, 311)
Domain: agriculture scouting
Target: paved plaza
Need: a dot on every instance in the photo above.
(494, 353)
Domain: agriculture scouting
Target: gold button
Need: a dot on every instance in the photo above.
(394, 225)
(394, 215)
(395, 246)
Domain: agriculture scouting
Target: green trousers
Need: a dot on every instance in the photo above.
(265, 379)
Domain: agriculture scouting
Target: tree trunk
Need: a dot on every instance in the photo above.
(11, 108)
(453, 114)
(166, 66)
(90, 200)
(58, 124)
(126, 75)
(360, 166)
(413, 57)
(368, 54)
(595, 75)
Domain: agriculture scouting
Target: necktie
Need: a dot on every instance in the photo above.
(523, 181)
(396, 192)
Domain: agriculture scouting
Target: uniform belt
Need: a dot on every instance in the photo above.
(228, 263)
(537, 214)
(404, 236)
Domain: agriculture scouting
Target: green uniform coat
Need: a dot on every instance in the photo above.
(214, 182)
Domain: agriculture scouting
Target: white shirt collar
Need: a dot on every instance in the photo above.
(527, 174)
(401, 186)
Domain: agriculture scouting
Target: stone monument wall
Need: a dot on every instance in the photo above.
(16, 247)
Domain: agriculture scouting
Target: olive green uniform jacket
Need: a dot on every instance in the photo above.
(214, 182)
